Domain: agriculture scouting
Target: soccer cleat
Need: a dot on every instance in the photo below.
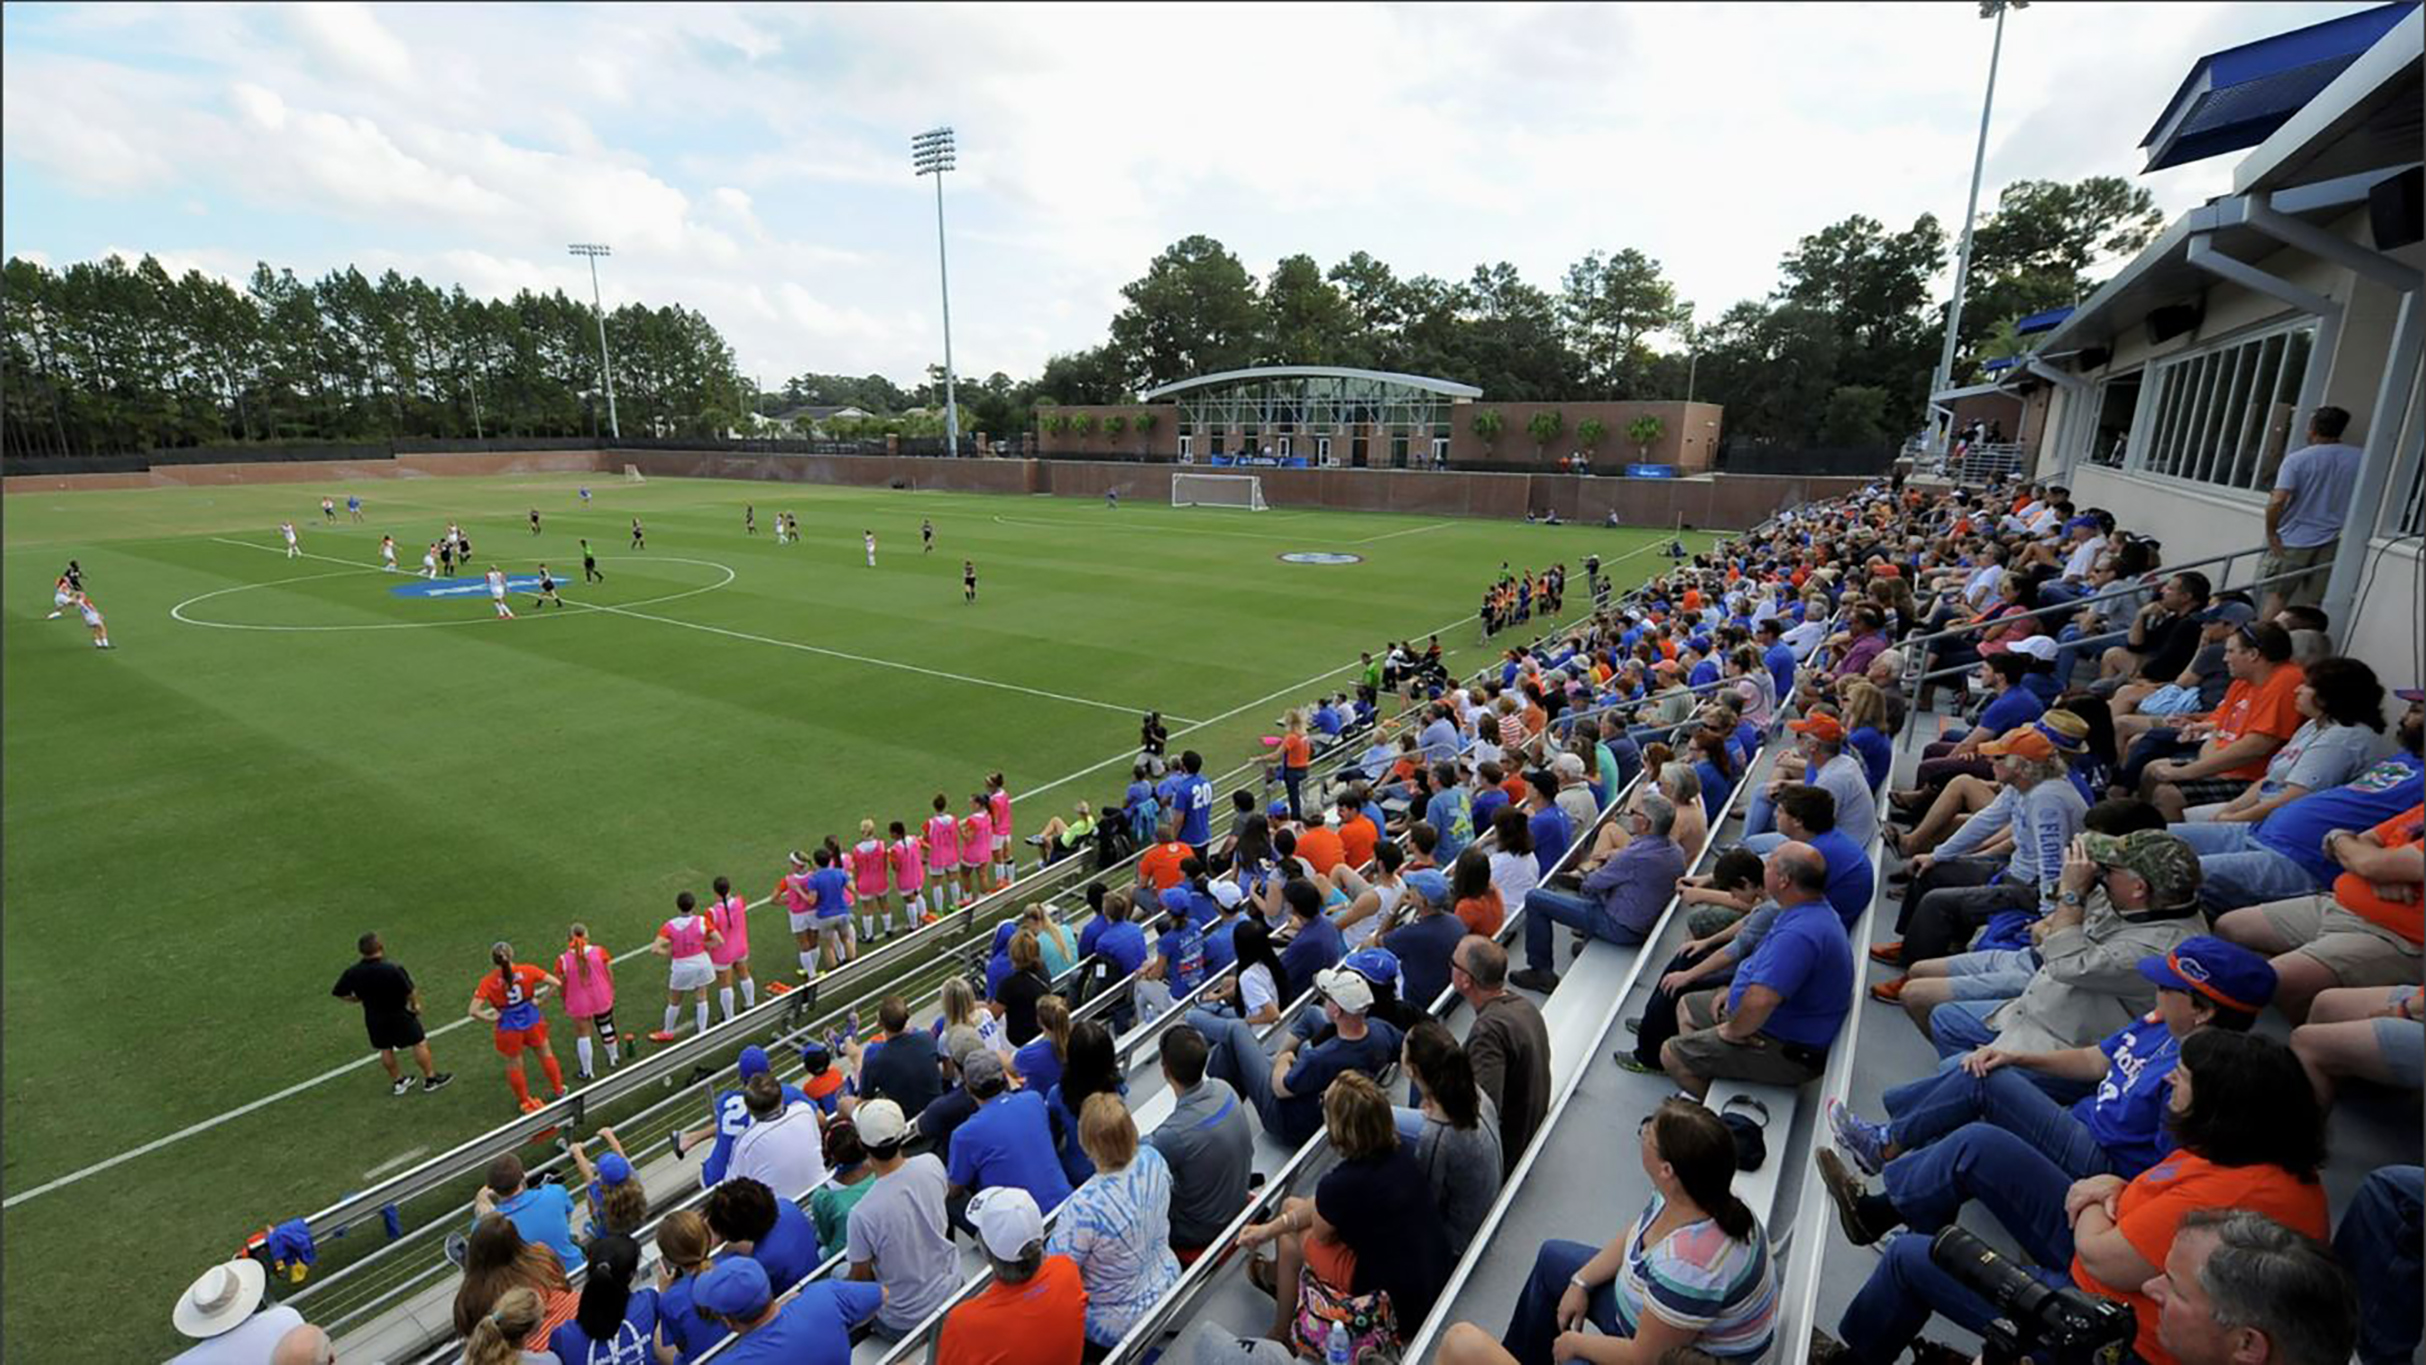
(403, 1084)
(662, 1036)
(1858, 1137)
(533, 1105)
(775, 987)
(436, 1082)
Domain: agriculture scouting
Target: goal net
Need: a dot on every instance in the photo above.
(1218, 490)
(631, 474)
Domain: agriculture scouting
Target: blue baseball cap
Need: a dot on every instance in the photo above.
(2226, 973)
(736, 1287)
(1377, 965)
(613, 1169)
(1429, 884)
(1176, 901)
(754, 1062)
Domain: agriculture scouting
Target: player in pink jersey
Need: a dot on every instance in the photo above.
(1006, 849)
(589, 997)
(943, 856)
(793, 892)
(868, 865)
(977, 846)
(686, 939)
(729, 914)
(909, 875)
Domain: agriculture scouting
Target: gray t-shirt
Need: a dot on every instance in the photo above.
(1844, 778)
(1462, 1166)
(2319, 755)
(1209, 1143)
(900, 1225)
(2320, 480)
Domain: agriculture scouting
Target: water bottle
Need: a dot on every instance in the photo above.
(1341, 1350)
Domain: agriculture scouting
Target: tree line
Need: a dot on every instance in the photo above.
(104, 357)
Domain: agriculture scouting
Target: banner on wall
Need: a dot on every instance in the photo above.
(1650, 471)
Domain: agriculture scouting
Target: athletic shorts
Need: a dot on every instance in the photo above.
(691, 973)
(394, 1030)
(803, 921)
(838, 928)
(511, 1042)
(2403, 1042)
(61, 599)
(2358, 951)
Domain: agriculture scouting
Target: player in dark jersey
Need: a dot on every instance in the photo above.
(547, 588)
(639, 541)
(926, 536)
(749, 518)
(446, 558)
(968, 580)
(534, 521)
(589, 566)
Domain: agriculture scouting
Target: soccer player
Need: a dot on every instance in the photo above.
(547, 588)
(92, 618)
(585, 495)
(943, 855)
(534, 521)
(589, 998)
(75, 575)
(977, 846)
(497, 593)
(909, 875)
(1006, 849)
(294, 546)
(446, 556)
(328, 510)
(63, 596)
(391, 1011)
(429, 561)
(686, 939)
(729, 915)
(387, 553)
(749, 518)
(968, 580)
(729, 1117)
(639, 540)
(867, 863)
(353, 507)
(509, 997)
(589, 566)
(870, 538)
(1111, 498)
(926, 536)
(793, 891)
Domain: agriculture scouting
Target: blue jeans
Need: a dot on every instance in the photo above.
(1293, 780)
(2236, 870)
(2379, 1241)
(1759, 818)
(1237, 1056)
(1547, 906)
(2021, 1187)
(1951, 1101)
(2067, 653)
(1959, 1026)
(1764, 844)
(1534, 1325)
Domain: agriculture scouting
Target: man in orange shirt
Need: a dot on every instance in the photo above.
(2258, 715)
(2367, 931)
(1158, 866)
(1035, 1310)
(1357, 835)
(1320, 847)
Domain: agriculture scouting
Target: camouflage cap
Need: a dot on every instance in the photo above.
(2166, 862)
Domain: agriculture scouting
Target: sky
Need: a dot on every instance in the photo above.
(753, 162)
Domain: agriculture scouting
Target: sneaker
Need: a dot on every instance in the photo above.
(1890, 953)
(1858, 1137)
(662, 1036)
(1634, 1024)
(457, 1245)
(674, 1141)
(439, 1081)
(1827, 1350)
(1539, 981)
(1889, 992)
(403, 1083)
(1845, 1191)
(1627, 1061)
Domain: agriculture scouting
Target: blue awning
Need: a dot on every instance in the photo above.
(2042, 322)
(2235, 98)
(2002, 362)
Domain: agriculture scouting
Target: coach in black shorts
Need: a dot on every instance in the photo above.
(391, 1010)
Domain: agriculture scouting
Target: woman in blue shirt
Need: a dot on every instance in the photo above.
(1865, 721)
(614, 1322)
(1716, 769)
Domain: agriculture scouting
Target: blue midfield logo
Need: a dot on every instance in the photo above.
(1320, 557)
(466, 587)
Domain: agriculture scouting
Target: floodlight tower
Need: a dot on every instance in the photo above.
(1989, 9)
(606, 373)
(931, 153)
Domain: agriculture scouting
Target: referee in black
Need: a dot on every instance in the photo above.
(391, 1010)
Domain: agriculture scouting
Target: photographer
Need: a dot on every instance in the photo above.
(2239, 1288)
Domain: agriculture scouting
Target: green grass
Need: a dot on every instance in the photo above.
(199, 823)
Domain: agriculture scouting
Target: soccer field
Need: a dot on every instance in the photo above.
(281, 753)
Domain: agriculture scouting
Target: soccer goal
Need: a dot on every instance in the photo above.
(631, 474)
(1219, 490)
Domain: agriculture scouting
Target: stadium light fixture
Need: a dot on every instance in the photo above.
(932, 153)
(606, 372)
(1989, 9)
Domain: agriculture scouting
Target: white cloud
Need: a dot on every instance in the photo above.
(752, 161)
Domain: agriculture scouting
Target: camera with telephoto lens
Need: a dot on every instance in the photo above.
(2034, 1318)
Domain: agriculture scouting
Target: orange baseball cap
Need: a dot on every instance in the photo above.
(1820, 726)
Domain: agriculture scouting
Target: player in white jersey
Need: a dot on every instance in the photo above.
(429, 562)
(328, 510)
(294, 546)
(497, 593)
(63, 596)
(92, 618)
(870, 538)
(387, 553)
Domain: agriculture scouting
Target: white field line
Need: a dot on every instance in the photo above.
(1410, 531)
(396, 1163)
(732, 634)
